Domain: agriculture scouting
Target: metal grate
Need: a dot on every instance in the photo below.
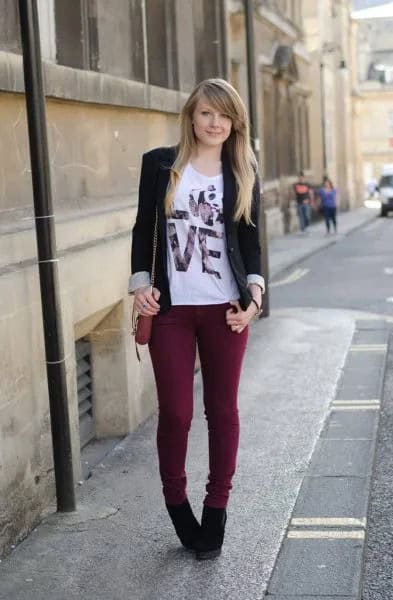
(85, 391)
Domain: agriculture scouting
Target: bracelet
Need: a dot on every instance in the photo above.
(258, 307)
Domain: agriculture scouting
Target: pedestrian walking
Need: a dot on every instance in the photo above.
(304, 198)
(328, 196)
(209, 286)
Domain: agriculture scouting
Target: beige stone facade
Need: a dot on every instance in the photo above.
(329, 38)
(374, 85)
(284, 99)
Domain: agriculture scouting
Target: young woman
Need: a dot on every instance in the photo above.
(208, 288)
(328, 196)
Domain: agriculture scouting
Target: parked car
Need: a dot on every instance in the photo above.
(385, 192)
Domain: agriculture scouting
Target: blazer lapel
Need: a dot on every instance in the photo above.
(229, 198)
(164, 166)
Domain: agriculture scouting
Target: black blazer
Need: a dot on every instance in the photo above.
(243, 245)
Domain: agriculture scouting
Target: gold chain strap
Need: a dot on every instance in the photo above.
(134, 320)
(155, 242)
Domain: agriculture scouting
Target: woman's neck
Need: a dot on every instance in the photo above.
(204, 153)
(207, 159)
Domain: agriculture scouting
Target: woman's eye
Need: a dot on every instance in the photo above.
(205, 112)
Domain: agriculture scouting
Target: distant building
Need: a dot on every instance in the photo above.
(329, 39)
(375, 88)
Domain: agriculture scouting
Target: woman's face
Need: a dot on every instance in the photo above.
(211, 127)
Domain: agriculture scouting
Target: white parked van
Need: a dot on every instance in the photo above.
(385, 189)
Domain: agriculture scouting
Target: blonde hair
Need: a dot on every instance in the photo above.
(222, 96)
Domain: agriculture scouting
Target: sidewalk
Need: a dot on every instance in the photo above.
(120, 544)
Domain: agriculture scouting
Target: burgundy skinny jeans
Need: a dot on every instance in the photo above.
(175, 336)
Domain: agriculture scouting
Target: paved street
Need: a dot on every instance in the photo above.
(120, 544)
(357, 273)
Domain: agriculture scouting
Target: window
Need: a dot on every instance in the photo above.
(209, 46)
(120, 38)
(9, 26)
(386, 181)
(307, 156)
(101, 36)
(138, 43)
(161, 43)
(269, 132)
(283, 131)
(303, 137)
(76, 33)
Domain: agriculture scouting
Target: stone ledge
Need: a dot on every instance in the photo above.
(18, 248)
(65, 83)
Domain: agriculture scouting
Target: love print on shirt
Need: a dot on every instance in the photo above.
(209, 213)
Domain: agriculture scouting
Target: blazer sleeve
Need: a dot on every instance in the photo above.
(249, 244)
(142, 232)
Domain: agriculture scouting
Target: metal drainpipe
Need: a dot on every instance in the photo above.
(323, 115)
(47, 261)
(254, 129)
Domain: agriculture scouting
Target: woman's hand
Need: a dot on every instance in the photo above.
(146, 302)
(238, 319)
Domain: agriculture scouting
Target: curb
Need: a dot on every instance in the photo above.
(326, 244)
(321, 555)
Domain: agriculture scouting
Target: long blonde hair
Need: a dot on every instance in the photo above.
(224, 98)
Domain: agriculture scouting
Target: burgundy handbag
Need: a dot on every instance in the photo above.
(141, 325)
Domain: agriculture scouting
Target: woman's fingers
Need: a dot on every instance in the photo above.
(145, 309)
(238, 328)
(156, 294)
(236, 306)
(148, 311)
(145, 302)
(150, 300)
(236, 318)
(237, 321)
(232, 318)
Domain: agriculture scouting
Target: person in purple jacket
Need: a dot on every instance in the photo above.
(328, 196)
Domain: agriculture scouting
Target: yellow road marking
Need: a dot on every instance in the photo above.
(328, 522)
(345, 402)
(327, 534)
(357, 407)
(368, 348)
(292, 278)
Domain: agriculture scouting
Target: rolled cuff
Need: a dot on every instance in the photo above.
(138, 280)
(258, 279)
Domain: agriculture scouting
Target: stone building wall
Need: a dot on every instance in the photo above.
(329, 37)
(284, 99)
(374, 99)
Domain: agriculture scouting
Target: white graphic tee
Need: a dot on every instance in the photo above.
(198, 266)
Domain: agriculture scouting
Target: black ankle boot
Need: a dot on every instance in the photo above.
(185, 523)
(211, 538)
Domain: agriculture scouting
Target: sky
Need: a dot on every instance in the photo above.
(359, 4)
